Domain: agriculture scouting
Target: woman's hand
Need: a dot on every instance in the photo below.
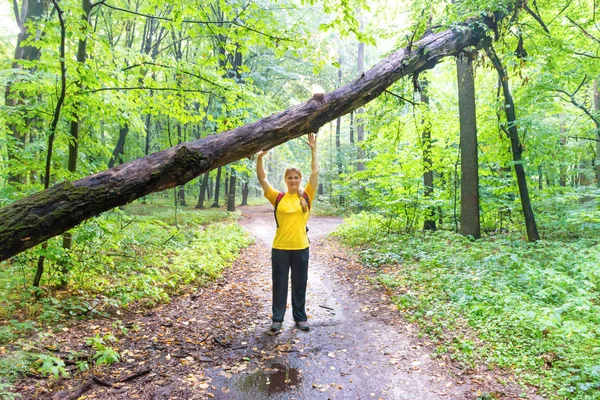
(312, 141)
(262, 153)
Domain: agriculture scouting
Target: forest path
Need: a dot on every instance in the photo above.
(358, 346)
(214, 343)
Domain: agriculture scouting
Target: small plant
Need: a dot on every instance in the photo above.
(103, 353)
(51, 365)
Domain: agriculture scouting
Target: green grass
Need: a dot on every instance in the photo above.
(138, 256)
(531, 308)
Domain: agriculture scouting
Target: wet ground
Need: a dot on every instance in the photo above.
(358, 346)
(213, 342)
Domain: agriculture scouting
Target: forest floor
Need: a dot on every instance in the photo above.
(214, 343)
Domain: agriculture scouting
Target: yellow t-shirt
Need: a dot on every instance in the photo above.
(291, 234)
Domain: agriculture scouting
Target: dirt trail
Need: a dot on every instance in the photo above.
(214, 343)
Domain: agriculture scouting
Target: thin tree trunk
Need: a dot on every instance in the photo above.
(217, 188)
(360, 127)
(202, 193)
(86, 6)
(429, 220)
(119, 150)
(245, 191)
(231, 192)
(516, 147)
(597, 123)
(563, 145)
(53, 125)
(31, 11)
(352, 128)
(469, 159)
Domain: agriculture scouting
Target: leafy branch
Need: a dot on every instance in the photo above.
(191, 21)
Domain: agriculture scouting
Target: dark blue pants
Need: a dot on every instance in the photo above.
(281, 263)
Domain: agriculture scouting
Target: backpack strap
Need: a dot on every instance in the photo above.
(307, 199)
(277, 200)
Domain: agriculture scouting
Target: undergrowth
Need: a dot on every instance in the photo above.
(533, 308)
(140, 255)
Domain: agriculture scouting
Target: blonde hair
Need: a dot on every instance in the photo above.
(303, 202)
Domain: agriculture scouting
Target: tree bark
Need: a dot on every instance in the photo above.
(516, 147)
(35, 218)
(217, 188)
(469, 158)
(231, 192)
(429, 220)
(203, 187)
(245, 191)
(119, 147)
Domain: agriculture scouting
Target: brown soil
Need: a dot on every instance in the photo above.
(214, 343)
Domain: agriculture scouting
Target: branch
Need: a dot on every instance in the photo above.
(17, 16)
(584, 138)
(577, 104)
(401, 98)
(98, 3)
(585, 55)
(535, 16)
(189, 21)
(149, 88)
(561, 11)
(177, 70)
(586, 33)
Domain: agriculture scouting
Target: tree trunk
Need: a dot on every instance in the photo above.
(597, 123)
(516, 147)
(562, 180)
(338, 128)
(352, 128)
(217, 188)
(469, 162)
(35, 218)
(75, 128)
(245, 190)
(231, 192)
(360, 127)
(203, 187)
(120, 147)
(429, 222)
(31, 10)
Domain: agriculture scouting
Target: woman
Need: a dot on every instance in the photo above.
(290, 246)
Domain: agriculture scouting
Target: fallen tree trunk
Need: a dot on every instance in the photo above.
(38, 217)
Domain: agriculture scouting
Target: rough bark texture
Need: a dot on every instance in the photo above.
(469, 162)
(43, 215)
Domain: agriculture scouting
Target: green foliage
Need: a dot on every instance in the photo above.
(103, 352)
(140, 256)
(532, 308)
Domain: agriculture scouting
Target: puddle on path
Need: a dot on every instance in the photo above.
(275, 379)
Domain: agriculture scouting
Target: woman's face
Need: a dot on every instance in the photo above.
(292, 180)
